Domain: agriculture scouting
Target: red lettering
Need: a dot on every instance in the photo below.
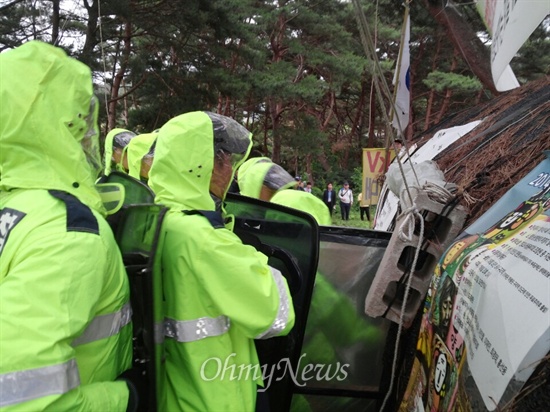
(372, 164)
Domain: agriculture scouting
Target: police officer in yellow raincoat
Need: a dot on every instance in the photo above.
(116, 150)
(65, 330)
(219, 294)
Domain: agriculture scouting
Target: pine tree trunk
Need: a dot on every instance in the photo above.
(55, 21)
(266, 128)
(372, 115)
(465, 39)
(276, 108)
(87, 55)
(448, 93)
(119, 76)
(275, 115)
(431, 95)
(414, 70)
(358, 121)
(309, 169)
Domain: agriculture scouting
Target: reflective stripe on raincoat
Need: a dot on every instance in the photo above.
(219, 293)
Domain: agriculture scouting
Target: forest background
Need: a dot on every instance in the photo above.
(293, 72)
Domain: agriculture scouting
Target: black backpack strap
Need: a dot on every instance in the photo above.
(79, 216)
(215, 218)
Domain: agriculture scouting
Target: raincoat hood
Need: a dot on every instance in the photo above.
(138, 148)
(48, 123)
(305, 202)
(260, 171)
(250, 176)
(118, 138)
(184, 161)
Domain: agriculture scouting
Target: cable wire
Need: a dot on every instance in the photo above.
(381, 86)
(103, 58)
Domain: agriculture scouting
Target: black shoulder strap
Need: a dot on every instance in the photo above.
(79, 216)
(215, 218)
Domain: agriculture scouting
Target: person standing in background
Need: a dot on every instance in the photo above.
(363, 209)
(398, 145)
(346, 200)
(399, 148)
(329, 198)
(308, 187)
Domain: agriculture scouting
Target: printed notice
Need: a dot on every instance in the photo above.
(502, 307)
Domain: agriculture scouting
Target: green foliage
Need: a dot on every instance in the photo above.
(318, 191)
(354, 218)
(441, 81)
(533, 59)
(356, 182)
(18, 23)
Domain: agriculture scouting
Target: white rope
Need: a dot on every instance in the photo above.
(406, 230)
(470, 200)
(437, 193)
(406, 233)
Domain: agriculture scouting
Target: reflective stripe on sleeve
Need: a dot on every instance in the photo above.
(196, 329)
(281, 320)
(22, 386)
(104, 326)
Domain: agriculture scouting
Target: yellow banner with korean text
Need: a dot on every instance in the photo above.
(375, 163)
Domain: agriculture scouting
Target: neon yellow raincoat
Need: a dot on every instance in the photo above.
(138, 147)
(122, 135)
(65, 331)
(305, 202)
(260, 171)
(219, 293)
(250, 184)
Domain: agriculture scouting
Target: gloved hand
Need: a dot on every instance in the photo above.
(136, 379)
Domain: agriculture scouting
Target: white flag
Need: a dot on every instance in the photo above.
(403, 96)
